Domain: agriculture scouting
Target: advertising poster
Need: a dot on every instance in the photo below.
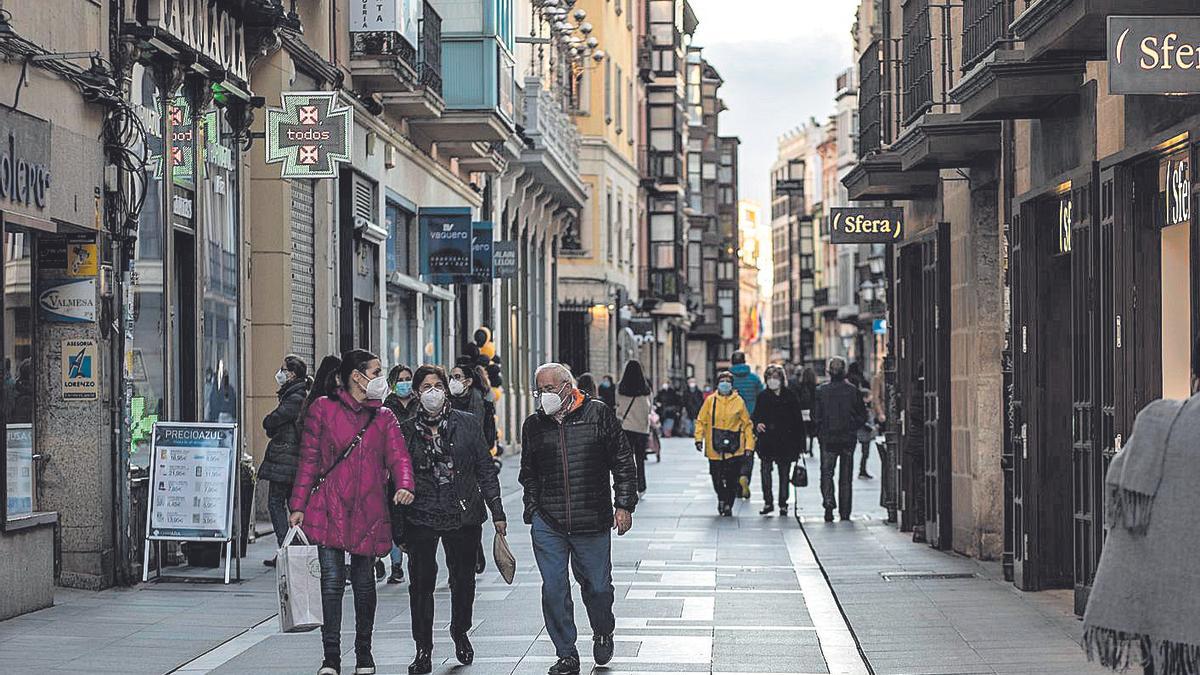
(504, 259)
(68, 301)
(446, 235)
(20, 470)
(481, 252)
(79, 376)
(193, 469)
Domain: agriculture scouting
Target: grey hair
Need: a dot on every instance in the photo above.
(563, 371)
(837, 366)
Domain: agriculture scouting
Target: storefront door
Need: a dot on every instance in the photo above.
(935, 288)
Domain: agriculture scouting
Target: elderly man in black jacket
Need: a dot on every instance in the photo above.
(839, 414)
(569, 449)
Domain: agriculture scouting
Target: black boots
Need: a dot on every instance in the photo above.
(463, 650)
(422, 663)
(828, 515)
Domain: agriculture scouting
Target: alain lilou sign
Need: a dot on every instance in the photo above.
(866, 225)
(310, 135)
(1154, 54)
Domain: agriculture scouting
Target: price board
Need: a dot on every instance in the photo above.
(193, 476)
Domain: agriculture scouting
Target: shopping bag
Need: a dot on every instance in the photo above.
(298, 581)
(800, 474)
(506, 562)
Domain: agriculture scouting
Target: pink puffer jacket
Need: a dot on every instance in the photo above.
(349, 511)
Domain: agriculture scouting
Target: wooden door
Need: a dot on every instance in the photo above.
(1086, 338)
(1024, 294)
(935, 287)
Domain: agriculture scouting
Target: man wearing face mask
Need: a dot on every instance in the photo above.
(569, 448)
(693, 398)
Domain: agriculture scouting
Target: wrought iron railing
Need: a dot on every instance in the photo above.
(870, 99)
(383, 43)
(985, 26)
(430, 63)
(549, 125)
(917, 66)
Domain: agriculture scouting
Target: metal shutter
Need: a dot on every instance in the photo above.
(303, 270)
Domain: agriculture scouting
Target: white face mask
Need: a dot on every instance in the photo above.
(281, 377)
(377, 388)
(457, 387)
(550, 403)
(433, 400)
(774, 384)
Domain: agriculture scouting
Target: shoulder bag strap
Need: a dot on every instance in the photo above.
(345, 453)
(627, 409)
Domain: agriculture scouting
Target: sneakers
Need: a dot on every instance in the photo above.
(397, 575)
(602, 649)
(767, 510)
(783, 509)
(744, 482)
(380, 570)
(863, 474)
(364, 664)
(567, 665)
(330, 668)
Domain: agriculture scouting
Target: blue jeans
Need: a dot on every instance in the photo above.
(590, 557)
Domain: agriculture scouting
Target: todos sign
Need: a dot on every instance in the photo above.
(1154, 54)
(310, 135)
(866, 225)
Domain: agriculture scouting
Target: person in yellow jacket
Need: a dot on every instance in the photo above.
(725, 434)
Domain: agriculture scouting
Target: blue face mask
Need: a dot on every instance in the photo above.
(725, 388)
(403, 389)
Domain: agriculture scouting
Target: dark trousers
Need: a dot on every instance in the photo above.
(784, 468)
(589, 556)
(277, 505)
(725, 474)
(333, 587)
(866, 453)
(460, 547)
(639, 442)
(841, 458)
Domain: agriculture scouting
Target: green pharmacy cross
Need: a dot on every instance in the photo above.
(310, 134)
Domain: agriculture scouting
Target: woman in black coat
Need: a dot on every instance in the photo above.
(805, 388)
(283, 449)
(780, 430)
(455, 480)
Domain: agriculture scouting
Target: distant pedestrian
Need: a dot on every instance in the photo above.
(587, 384)
(607, 390)
(464, 395)
(570, 448)
(282, 426)
(748, 386)
(402, 401)
(780, 433)
(805, 385)
(693, 398)
(725, 434)
(633, 406)
(866, 433)
(670, 407)
(350, 447)
(1142, 610)
(455, 479)
(839, 414)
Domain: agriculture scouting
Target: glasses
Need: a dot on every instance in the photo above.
(550, 389)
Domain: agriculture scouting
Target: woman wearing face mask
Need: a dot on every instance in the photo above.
(401, 398)
(777, 422)
(633, 406)
(725, 434)
(455, 480)
(283, 448)
(350, 448)
(464, 396)
(607, 391)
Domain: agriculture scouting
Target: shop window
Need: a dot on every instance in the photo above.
(220, 231)
(400, 239)
(20, 376)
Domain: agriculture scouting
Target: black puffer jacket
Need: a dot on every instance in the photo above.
(460, 502)
(785, 427)
(839, 414)
(565, 469)
(282, 427)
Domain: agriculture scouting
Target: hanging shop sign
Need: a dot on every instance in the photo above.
(203, 27)
(24, 162)
(79, 376)
(1179, 189)
(504, 259)
(1064, 223)
(68, 301)
(390, 16)
(184, 147)
(445, 244)
(481, 252)
(192, 474)
(310, 135)
(879, 327)
(1154, 54)
(866, 225)
(74, 256)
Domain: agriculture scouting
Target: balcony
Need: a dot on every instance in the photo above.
(424, 101)
(382, 62)
(946, 141)
(552, 152)
(881, 176)
(1076, 29)
(661, 170)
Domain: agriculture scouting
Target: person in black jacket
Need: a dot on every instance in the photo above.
(464, 395)
(569, 449)
(283, 448)
(455, 478)
(805, 386)
(838, 416)
(780, 432)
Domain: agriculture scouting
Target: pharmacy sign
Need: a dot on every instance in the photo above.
(310, 134)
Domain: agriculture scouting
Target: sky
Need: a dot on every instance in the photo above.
(779, 60)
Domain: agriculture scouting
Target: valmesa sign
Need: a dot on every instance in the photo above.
(866, 225)
(1154, 54)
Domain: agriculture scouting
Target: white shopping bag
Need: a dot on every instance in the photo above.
(298, 573)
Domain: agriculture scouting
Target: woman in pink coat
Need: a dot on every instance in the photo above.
(350, 451)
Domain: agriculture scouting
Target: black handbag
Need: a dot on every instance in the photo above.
(725, 442)
(800, 474)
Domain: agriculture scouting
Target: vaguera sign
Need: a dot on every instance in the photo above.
(866, 225)
(1154, 54)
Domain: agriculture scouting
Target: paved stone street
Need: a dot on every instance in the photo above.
(696, 593)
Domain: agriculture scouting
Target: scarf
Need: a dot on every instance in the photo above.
(1143, 609)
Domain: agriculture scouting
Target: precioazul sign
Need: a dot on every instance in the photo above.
(310, 135)
(1154, 54)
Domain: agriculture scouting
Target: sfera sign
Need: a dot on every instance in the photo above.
(1154, 54)
(866, 225)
